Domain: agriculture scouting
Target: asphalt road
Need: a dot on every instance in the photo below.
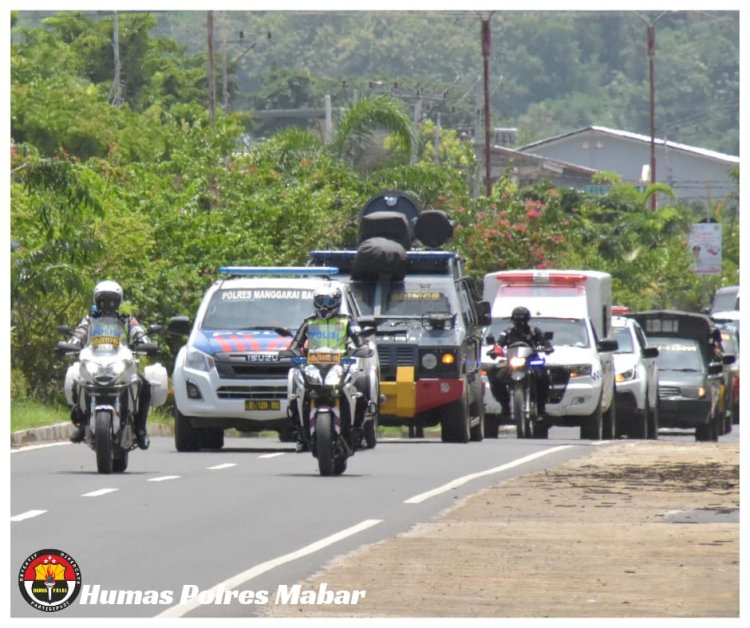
(177, 527)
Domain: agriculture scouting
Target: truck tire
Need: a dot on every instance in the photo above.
(186, 438)
(454, 425)
(476, 432)
(211, 438)
(491, 425)
(653, 421)
(591, 425)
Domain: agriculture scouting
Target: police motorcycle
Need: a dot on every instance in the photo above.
(319, 384)
(523, 365)
(104, 382)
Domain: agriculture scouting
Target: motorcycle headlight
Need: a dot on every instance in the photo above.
(312, 373)
(334, 375)
(517, 362)
(199, 361)
(89, 370)
(579, 370)
(117, 368)
(625, 376)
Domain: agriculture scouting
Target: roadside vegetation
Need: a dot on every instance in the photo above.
(153, 193)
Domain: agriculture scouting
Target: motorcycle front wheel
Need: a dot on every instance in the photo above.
(518, 406)
(325, 447)
(103, 442)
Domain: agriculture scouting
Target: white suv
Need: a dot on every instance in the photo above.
(637, 377)
(582, 376)
(230, 374)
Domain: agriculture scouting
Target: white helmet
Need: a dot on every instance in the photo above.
(108, 296)
(327, 301)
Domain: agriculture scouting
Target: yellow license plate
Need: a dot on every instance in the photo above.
(323, 357)
(262, 404)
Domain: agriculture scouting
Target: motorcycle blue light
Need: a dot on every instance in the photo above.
(536, 362)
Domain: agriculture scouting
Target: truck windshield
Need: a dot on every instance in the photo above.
(410, 299)
(624, 340)
(569, 332)
(237, 309)
(677, 354)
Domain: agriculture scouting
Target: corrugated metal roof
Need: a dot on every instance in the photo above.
(511, 152)
(639, 138)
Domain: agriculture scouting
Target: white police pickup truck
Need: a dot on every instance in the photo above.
(229, 374)
(576, 306)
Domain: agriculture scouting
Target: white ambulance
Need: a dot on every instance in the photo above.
(576, 306)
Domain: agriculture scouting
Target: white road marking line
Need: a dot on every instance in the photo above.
(29, 514)
(164, 478)
(272, 455)
(182, 609)
(101, 491)
(418, 499)
(18, 450)
(226, 465)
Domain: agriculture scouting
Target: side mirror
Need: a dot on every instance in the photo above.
(362, 352)
(650, 352)
(715, 368)
(367, 321)
(64, 329)
(179, 326)
(607, 345)
(154, 329)
(549, 335)
(484, 313)
(728, 359)
(149, 348)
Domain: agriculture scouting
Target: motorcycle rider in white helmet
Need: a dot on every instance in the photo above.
(107, 301)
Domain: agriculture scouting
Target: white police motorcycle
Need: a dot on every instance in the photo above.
(319, 384)
(105, 383)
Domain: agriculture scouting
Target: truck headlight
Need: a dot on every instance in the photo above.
(579, 370)
(625, 376)
(199, 361)
(429, 361)
(693, 392)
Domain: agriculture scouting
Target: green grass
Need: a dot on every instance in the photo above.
(25, 415)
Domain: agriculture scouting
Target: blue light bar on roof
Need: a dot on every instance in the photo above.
(278, 270)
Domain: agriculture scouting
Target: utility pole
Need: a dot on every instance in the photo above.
(117, 81)
(211, 80)
(651, 49)
(477, 135)
(487, 123)
(224, 79)
(651, 52)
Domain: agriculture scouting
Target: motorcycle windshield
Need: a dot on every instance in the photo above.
(105, 335)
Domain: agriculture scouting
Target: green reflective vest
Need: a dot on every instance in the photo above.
(327, 333)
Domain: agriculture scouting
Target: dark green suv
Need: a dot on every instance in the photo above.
(428, 316)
